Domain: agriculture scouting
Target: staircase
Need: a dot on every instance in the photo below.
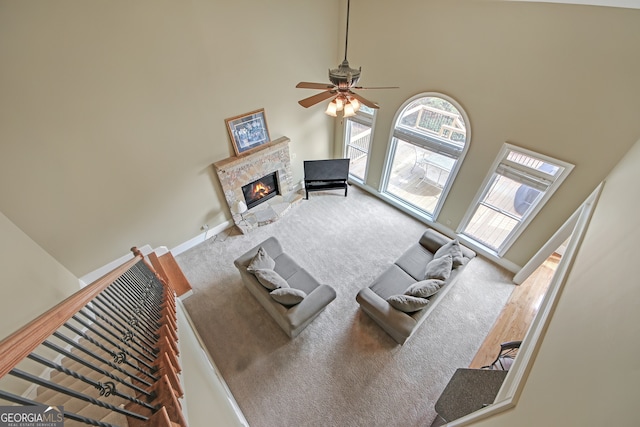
(108, 354)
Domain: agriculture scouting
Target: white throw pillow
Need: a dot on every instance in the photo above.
(439, 268)
(261, 260)
(453, 248)
(288, 296)
(270, 279)
(407, 303)
(424, 288)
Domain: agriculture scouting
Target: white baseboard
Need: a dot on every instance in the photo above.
(146, 250)
(505, 263)
(200, 238)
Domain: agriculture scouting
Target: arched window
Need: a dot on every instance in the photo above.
(428, 142)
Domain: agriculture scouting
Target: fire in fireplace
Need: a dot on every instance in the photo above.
(261, 190)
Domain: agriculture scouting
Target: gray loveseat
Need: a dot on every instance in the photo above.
(406, 271)
(292, 318)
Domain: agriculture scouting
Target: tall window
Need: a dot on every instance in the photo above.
(428, 143)
(358, 130)
(518, 186)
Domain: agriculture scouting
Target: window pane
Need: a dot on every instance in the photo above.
(519, 183)
(367, 110)
(490, 227)
(499, 212)
(435, 117)
(429, 137)
(532, 163)
(358, 138)
(418, 175)
(502, 195)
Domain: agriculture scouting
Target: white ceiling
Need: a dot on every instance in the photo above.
(630, 4)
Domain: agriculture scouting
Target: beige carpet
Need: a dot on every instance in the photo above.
(343, 370)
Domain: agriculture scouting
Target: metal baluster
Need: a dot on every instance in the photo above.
(10, 397)
(123, 300)
(138, 286)
(98, 369)
(106, 389)
(61, 389)
(141, 274)
(128, 316)
(113, 320)
(127, 352)
(154, 283)
(120, 304)
(142, 287)
(142, 303)
(126, 337)
(118, 358)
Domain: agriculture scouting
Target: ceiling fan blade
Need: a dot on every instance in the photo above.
(364, 101)
(308, 85)
(380, 87)
(313, 100)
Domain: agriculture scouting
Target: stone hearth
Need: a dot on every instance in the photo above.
(237, 171)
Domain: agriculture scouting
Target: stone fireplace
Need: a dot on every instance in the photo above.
(246, 180)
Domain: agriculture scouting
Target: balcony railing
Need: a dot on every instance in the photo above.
(107, 355)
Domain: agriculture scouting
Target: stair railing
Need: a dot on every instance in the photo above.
(108, 354)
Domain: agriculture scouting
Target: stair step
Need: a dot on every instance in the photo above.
(93, 411)
(52, 398)
(84, 408)
(98, 352)
(116, 419)
(98, 412)
(74, 405)
(70, 382)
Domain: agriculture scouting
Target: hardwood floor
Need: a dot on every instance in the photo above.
(516, 317)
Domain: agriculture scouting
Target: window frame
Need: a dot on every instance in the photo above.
(531, 213)
(393, 143)
(365, 119)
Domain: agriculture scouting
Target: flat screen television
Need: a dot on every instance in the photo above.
(326, 170)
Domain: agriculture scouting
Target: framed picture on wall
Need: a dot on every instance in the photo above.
(248, 131)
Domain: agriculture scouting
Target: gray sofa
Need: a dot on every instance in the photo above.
(406, 271)
(291, 318)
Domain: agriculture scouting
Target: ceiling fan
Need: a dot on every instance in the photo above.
(343, 80)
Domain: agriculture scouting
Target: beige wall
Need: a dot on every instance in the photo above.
(112, 112)
(32, 280)
(561, 80)
(586, 371)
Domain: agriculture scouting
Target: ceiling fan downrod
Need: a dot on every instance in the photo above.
(343, 81)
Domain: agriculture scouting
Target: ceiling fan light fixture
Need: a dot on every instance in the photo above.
(343, 79)
(355, 103)
(349, 110)
(332, 109)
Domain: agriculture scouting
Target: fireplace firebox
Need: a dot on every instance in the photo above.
(261, 190)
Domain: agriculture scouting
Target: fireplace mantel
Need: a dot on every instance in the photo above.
(237, 171)
(264, 149)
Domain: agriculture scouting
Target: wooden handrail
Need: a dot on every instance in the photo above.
(18, 345)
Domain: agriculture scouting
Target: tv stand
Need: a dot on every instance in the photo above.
(321, 175)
